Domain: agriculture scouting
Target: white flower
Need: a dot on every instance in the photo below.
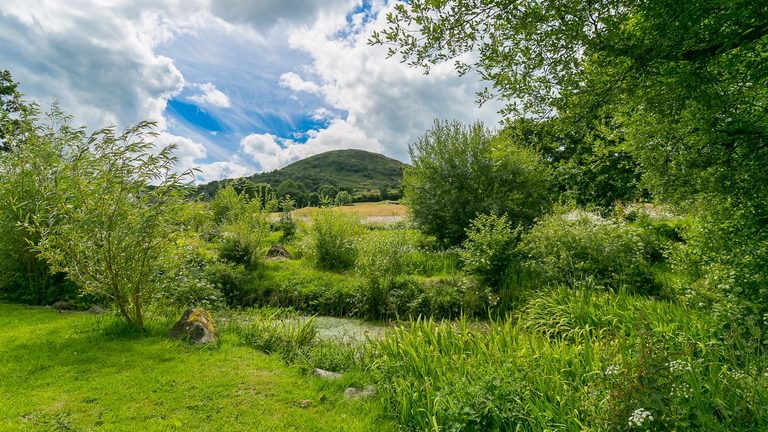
(639, 417)
(681, 390)
(612, 370)
(679, 366)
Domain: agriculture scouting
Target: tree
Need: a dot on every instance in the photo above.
(683, 82)
(343, 198)
(35, 148)
(294, 189)
(113, 217)
(460, 172)
(245, 187)
(14, 112)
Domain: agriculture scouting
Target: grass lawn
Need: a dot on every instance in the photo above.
(78, 372)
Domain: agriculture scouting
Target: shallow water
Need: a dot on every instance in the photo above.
(348, 329)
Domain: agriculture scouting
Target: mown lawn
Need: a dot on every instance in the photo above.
(78, 372)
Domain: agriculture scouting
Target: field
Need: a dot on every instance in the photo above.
(76, 372)
(369, 212)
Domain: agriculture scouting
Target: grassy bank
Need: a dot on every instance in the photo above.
(73, 372)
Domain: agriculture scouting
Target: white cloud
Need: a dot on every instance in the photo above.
(210, 96)
(121, 61)
(293, 81)
(221, 170)
(267, 14)
(387, 103)
(271, 152)
(187, 151)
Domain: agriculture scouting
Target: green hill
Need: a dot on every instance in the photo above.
(366, 176)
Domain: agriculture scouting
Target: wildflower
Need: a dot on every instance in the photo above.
(681, 390)
(639, 417)
(679, 366)
(612, 370)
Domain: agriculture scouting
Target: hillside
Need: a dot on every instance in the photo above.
(364, 174)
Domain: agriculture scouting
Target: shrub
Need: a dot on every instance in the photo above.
(187, 282)
(579, 247)
(380, 261)
(489, 248)
(334, 238)
(460, 172)
(243, 227)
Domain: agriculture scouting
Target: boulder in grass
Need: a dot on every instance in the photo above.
(63, 305)
(278, 251)
(360, 393)
(324, 374)
(196, 326)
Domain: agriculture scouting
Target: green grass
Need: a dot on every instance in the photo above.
(72, 372)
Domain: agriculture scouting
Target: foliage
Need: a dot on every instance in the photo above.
(243, 227)
(34, 146)
(189, 281)
(509, 374)
(286, 224)
(489, 248)
(460, 172)
(582, 248)
(343, 198)
(587, 154)
(113, 216)
(334, 239)
(382, 259)
(294, 190)
(680, 87)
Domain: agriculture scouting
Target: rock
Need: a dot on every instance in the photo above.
(324, 374)
(96, 310)
(63, 305)
(196, 325)
(360, 393)
(276, 251)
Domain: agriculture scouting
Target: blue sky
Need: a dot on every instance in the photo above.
(240, 86)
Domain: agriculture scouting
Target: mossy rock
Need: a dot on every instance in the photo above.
(196, 326)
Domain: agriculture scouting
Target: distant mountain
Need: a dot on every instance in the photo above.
(366, 176)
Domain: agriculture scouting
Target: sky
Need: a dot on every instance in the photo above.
(240, 86)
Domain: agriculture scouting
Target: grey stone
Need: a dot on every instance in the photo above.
(360, 393)
(324, 374)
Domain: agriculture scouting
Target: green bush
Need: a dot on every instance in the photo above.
(582, 248)
(489, 248)
(334, 237)
(243, 227)
(381, 260)
(460, 172)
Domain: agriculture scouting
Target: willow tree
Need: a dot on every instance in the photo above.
(114, 212)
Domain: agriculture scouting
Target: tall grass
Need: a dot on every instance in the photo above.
(573, 361)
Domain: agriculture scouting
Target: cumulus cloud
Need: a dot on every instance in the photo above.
(292, 78)
(266, 14)
(100, 65)
(293, 81)
(271, 152)
(221, 170)
(387, 103)
(211, 96)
